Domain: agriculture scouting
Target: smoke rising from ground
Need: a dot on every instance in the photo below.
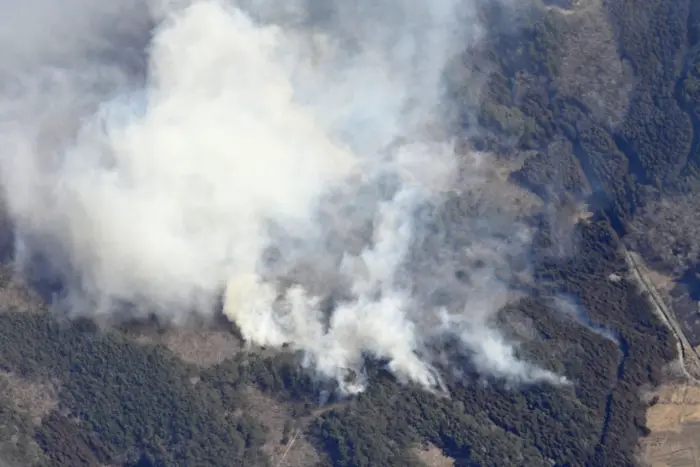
(294, 160)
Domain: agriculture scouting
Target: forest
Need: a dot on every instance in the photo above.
(121, 402)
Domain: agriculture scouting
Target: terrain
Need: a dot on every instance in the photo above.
(672, 420)
(592, 111)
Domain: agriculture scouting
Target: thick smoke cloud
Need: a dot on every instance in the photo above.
(293, 161)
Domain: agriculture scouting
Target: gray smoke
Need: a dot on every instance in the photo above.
(293, 157)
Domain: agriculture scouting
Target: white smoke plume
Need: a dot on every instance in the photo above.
(292, 157)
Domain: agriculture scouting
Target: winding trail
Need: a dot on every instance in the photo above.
(687, 356)
(289, 446)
